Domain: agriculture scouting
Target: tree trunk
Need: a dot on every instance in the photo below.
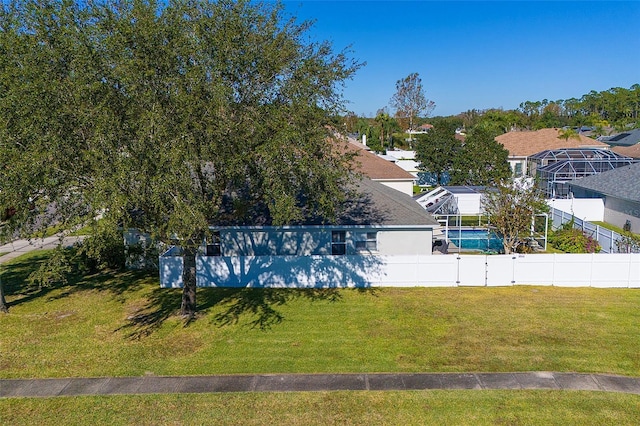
(3, 303)
(507, 244)
(188, 307)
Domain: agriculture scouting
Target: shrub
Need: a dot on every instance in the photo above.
(571, 240)
(104, 249)
(628, 243)
(54, 270)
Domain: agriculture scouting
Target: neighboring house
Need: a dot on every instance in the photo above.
(380, 170)
(553, 169)
(424, 128)
(406, 160)
(620, 191)
(632, 151)
(357, 250)
(522, 144)
(628, 138)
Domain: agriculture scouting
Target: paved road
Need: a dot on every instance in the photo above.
(314, 382)
(20, 247)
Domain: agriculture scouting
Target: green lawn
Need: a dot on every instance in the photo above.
(612, 227)
(331, 408)
(125, 325)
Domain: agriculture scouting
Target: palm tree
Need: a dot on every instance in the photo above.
(567, 133)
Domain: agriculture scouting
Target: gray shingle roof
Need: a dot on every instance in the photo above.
(384, 206)
(628, 138)
(622, 182)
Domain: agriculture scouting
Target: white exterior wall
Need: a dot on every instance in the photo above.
(240, 242)
(310, 241)
(469, 204)
(406, 187)
(518, 160)
(401, 155)
(412, 242)
(589, 209)
(619, 219)
(409, 166)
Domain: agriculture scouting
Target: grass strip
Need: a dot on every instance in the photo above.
(331, 408)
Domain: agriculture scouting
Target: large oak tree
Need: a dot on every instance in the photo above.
(167, 116)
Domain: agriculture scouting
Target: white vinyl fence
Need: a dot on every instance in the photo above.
(566, 270)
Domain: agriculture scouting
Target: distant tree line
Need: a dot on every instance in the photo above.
(612, 110)
(615, 109)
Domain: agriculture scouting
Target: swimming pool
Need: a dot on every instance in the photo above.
(475, 239)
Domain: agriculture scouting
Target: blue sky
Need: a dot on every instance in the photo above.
(477, 54)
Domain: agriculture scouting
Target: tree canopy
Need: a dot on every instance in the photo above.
(409, 100)
(511, 207)
(167, 116)
(482, 161)
(438, 149)
(476, 160)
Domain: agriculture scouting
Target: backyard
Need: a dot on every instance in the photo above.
(123, 324)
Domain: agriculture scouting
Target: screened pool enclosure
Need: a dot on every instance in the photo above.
(555, 168)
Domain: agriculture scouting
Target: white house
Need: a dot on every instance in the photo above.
(355, 251)
(406, 160)
(619, 191)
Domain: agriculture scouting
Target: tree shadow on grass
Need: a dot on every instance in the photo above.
(117, 284)
(258, 306)
(18, 288)
(161, 305)
(15, 279)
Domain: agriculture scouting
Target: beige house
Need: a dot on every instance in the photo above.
(522, 144)
(632, 151)
(380, 170)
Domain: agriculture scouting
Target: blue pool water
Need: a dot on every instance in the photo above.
(475, 239)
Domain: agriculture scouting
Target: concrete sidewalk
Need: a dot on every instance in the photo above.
(315, 382)
(19, 247)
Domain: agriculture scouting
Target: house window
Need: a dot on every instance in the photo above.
(213, 244)
(368, 243)
(338, 242)
(518, 169)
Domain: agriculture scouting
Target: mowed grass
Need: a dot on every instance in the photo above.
(331, 408)
(124, 325)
